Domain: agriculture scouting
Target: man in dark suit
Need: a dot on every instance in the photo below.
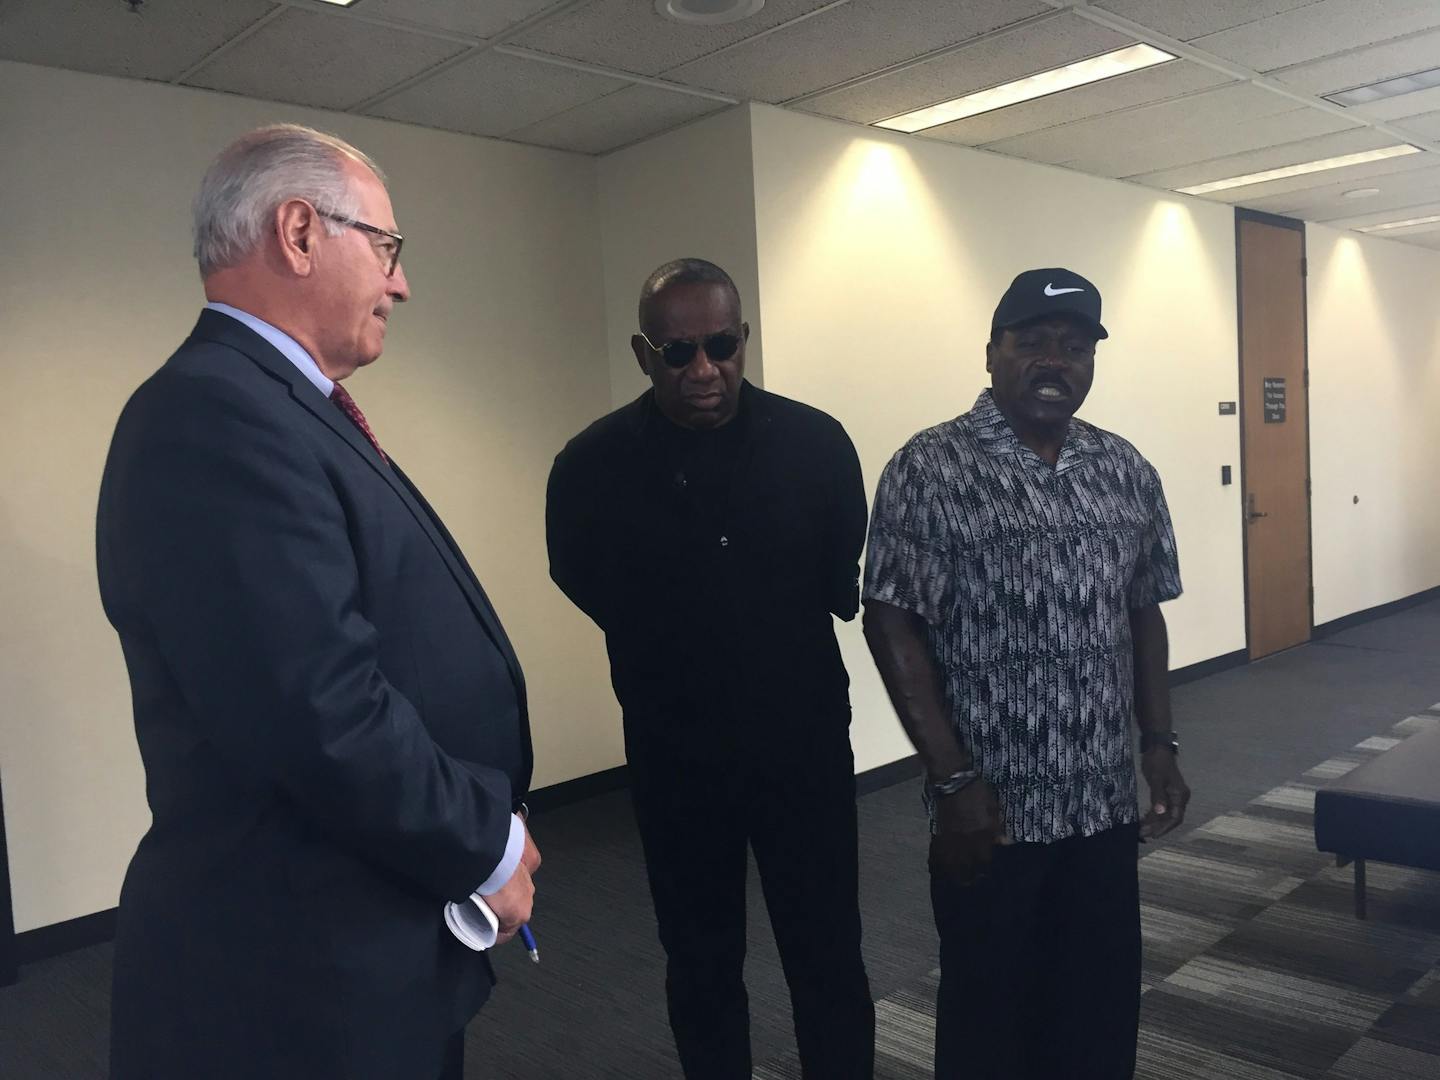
(331, 717)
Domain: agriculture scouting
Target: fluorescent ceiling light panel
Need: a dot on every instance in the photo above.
(1106, 66)
(1433, 219)
(340, 3)
(1300, 170)
(1388, 88)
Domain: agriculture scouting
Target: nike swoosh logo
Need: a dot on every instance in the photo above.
(1050, 290)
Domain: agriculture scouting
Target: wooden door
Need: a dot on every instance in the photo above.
(1275, 433)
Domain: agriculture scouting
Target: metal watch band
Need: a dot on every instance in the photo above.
(956, 781)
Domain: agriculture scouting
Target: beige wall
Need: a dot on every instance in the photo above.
(1374, 413)
(687, 193)
(487, 372)
(875, 259)
(881, 258)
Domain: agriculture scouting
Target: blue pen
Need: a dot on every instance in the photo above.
(529, 939)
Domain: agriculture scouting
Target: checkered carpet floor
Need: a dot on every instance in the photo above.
(1255, 965)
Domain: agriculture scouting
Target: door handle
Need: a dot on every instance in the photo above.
(1251, 514)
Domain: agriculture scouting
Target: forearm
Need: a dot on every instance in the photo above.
(898, 643)
(850, 518)
(1151, 645)
(571, 535)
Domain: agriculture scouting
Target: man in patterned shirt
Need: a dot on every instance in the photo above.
(1017, 561)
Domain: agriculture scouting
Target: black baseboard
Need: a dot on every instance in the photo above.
(582, 787)
(1213, 666)
(9, 958)
(883, 776)
(1379, 611)
(618, 779)
(47, 941)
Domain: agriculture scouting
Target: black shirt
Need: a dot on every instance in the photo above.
(713, 561)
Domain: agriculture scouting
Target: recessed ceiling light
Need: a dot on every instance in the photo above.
(1106, 66)
(340, 3)
(1362, 193)
(708, 12)
(1433, 219)
(1388, 88)
(1300, 170)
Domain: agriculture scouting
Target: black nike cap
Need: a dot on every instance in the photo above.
(1037, 293)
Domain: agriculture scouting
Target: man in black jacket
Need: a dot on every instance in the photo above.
(331, 717)
(711, 529)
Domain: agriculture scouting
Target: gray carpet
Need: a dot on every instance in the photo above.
(594, 1007)
(1255, 965)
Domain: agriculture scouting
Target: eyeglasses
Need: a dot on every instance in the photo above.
(679, 353)
(388, 246)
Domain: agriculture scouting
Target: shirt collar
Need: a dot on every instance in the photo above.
(753, 408)
(996, 436)
(289, 348)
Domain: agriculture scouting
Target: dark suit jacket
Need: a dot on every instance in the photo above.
(333, 728)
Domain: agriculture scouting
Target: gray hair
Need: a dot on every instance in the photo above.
(256, 174)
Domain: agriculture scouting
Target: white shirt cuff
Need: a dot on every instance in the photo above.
(505, 870)
(473, 923)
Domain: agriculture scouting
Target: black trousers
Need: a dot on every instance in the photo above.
(1040, 963)
(797, 812)
(454, 1066)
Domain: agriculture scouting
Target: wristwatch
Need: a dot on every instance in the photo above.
(955, 782)
(1151, 739)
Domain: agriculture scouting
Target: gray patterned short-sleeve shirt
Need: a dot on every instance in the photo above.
(1027, 574)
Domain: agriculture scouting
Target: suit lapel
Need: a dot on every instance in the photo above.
(218, 327)
(460, 567)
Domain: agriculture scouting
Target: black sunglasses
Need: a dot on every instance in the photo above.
(678, 354)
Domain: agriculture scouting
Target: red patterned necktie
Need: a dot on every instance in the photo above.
(346, 404)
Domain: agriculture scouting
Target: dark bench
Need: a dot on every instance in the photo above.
(1387, 810)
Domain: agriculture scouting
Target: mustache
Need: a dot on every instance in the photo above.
(1049, 378)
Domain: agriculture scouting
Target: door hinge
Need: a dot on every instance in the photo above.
(1307, 487)
(1304, 267)
(1305, 378)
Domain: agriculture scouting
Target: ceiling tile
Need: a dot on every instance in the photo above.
(1397, 108)
(494, 94)
(1378, 215)
(844, 42)
(1187, 19)
(1399, 190)
(1427, 125)
(616, 120)
(632, 36)
(1353, 141)
(481, 20)
(1320, 29)
(1228, 120)
(1364, 66)
(160, 42)
(1171, 80)
(320, 60)
(1175, 148)
(1023, 51)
